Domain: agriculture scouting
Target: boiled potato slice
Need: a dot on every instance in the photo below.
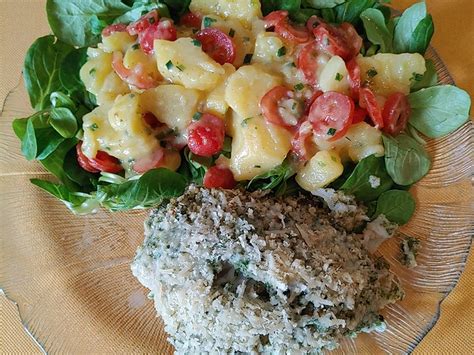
(100, 79)
(320, 171)
(117, 41)
(215, 101)
(173, 105)
(244, 10)
(257, 146)
(135, 56)
(334, 76)
(246, 87)
(182, 62)
(120, 131)
(388, 73)
(363, 140)
(268, 48)
(241, 37)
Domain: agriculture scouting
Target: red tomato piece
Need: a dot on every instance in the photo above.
(118, 27)
(143, 23)
(191, 19)
(301, 142)
(154, 160)
(313, 22)
(101, 162)
(84, 162)
(342, 41)
(308, 62)
(354, 77)
(218, 45)
(309, 102)
(271, 103)
(368, 101)
(219, 177)
(164, 29)
(274, 18)
(206, 136)
(136, 76)
(292, 33)
(331, 115)
(359, 115)
(396, 113)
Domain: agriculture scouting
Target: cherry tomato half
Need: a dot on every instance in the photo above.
(101, 162)
(118, 27)
(154, 160)
(219, 177)
(271, 106)
(206, 136)
(218, 45)
(309, 102)
(308, 62)
(301, 143)
(274, 18)
(143, 23)
(368, 101)
(359, 115)
(191, 19)
(313, 22)
(354, 77)
(164, 29)
(136, 76)
(396, 113)
(331, 115)
(342, 41)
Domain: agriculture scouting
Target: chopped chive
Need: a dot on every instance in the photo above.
(257, 166)
(169, 65)
(248, 58)
(135, 46)
(232, 32)
(331, 131)
(197, 43)
(245, 122)
(152, 20)
(416, 77)
(299, 87)
(371, 72)
(281, 52)
(339, 77)
(92, 71)
(180, 67)
(93, 127)
(292, 64)
(197, 116)
(293, 107)
(208, 21)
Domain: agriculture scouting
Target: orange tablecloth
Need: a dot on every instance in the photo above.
(22, 21)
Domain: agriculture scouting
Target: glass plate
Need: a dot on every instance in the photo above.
(71, 279)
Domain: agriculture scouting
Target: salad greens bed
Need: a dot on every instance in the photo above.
(51, 74)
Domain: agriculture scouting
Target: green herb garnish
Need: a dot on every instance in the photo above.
(281, 52)
(169, 65)
(299, 86)
(245, 122)
(232, 32)
(197, 116)
(331, 131)
(248, 58)
(208, 21)
(197, 43)
(339, 77)
(371, 72)
(93, 127)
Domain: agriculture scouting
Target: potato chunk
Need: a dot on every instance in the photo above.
(257, 146)
(100, 79)
(244, 10)
(334, 76)
(184, 63)
(320, 171)
(117, 41)
(388, 73)
(215, 101)
(173, 105)
(246, 87)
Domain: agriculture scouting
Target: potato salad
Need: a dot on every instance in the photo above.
(135, 102)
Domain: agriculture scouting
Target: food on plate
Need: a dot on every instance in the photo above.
(247, 272)
(280, 95)
(409, 248)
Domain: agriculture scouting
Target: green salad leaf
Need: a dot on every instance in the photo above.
(414, 30)
(429, 78)
(405, 159)
(141, 7)
(439, 110)
(376, 29)
(351, 10)
(322, 4)
(368, 180)
(74, 21)
(397, 206)
(41, 70)
(63, 121)
(276, 179)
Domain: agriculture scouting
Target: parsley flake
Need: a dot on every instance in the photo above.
(208, 21)
(197, 116)
(248, 58)
(93, 127)
(416, 77)
(371, 72)
(92, 71)
(331, 131)
(135, 46)
(245, 122)
(232, 32)
(339, 77)
(151, 20)
(299, 87)
(281, 52)
(169, 65)
(197, 43)
(180, 67)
